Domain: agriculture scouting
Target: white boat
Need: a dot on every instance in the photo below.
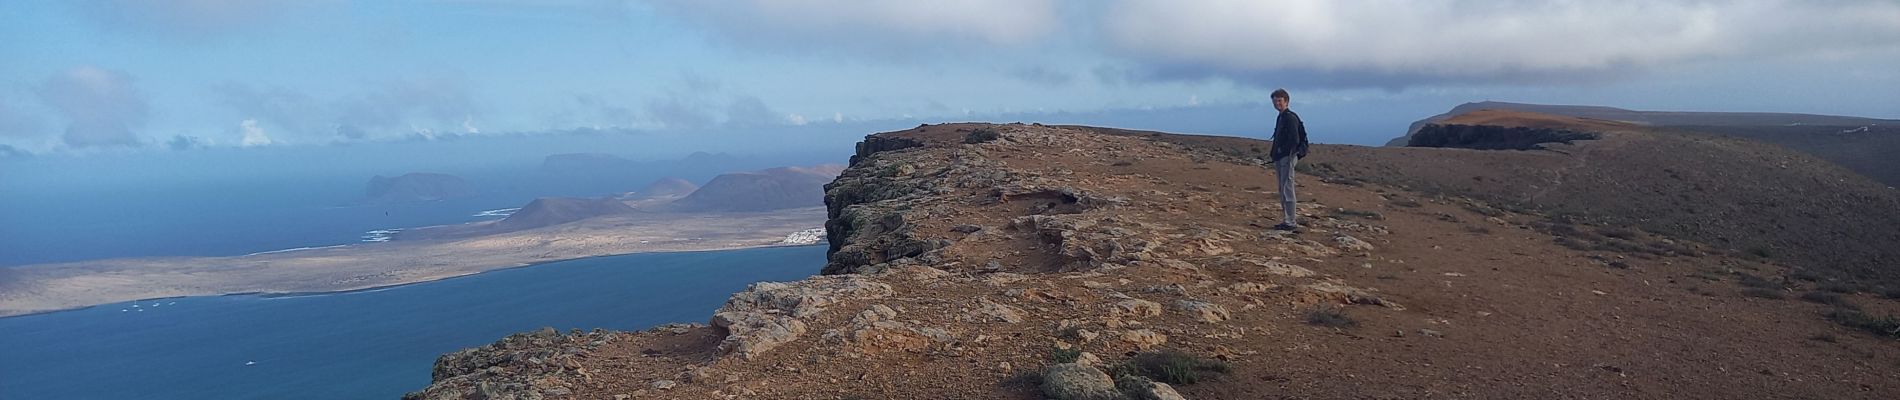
(250, 363)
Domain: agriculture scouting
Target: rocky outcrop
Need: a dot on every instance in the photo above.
(768, 314)
(539, 364)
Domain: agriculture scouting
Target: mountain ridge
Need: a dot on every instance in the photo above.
(1864, 145)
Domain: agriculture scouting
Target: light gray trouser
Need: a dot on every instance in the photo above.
(1284, 168)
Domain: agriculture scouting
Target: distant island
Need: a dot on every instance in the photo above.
(762, 190)
(415, 186)
(751, 209)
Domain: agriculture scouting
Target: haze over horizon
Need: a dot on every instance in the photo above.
(116, 77)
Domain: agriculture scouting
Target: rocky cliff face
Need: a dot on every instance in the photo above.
(1028, 261)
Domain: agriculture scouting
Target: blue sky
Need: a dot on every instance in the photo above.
(117, 77)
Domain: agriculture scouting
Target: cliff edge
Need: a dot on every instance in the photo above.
(1029, 261)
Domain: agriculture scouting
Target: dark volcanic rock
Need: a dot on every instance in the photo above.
(1487, 137)
(418, 186)
(875, 143)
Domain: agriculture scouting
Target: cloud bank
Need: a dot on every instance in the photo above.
(101, 106)
(1388, 42)
(395, 106)
(870, 25)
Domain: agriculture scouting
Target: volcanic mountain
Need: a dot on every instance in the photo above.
(1582, 259)
(770, 189)
(548, 211)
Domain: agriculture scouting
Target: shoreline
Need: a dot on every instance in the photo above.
(50, 288)
(286, 295)
(283, 295)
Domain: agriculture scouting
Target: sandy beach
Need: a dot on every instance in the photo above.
(65, 286)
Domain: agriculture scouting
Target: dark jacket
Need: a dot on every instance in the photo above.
(1289, 136)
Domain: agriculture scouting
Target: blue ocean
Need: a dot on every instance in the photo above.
(360, 345)
(233, 202)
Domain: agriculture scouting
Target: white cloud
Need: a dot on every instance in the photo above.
(253, 135)
(1482, 41)
(468, 125)
(101, 105)
(875, 25)
(381, 110)
(796, 119)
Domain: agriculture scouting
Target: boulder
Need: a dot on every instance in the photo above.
(1202, 311)
(1138, 308)
(1144, 339)
(1349, 243)
(996, 312)
(1072, 381)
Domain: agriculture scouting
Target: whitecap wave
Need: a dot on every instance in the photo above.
(499, 212)
(804, 237)
(380, 235)
(295, 249)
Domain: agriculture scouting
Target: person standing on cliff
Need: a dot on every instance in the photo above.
(1289, 146)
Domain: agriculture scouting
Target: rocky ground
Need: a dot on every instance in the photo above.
(1029, 261)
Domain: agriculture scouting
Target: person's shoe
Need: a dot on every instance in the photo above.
(1285, 227)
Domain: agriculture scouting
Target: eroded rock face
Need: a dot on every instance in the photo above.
(532, 365)
(865, 226)
(769, 314)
